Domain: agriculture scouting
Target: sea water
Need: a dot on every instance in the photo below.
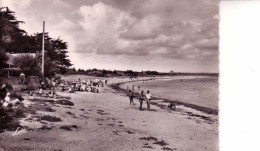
(198, 90)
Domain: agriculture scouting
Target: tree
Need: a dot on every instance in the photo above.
(10, 32)
(56, 51)
(15, 40)
(28, 65)
(151, 72)
(3, 59)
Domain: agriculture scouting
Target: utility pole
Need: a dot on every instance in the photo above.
(2, 25)
(43, 50)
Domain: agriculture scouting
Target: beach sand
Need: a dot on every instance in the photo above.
(106, 121)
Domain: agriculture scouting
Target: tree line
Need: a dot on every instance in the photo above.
(16, 40)
(111, 73)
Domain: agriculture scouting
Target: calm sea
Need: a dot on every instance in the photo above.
(202, 91)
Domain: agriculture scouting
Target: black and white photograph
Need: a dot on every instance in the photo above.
(109, 75)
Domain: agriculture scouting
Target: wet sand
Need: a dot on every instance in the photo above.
(106, 121)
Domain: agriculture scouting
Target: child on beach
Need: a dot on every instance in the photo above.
(131, 97)
(148, 97)
(172, 106)
(141, 99)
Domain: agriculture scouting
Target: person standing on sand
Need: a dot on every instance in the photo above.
(148, 97)
(133, 87)
(141, 99)
(22, 76)
(131, 97)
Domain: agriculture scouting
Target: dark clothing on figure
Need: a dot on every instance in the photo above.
(141, 99)
(131, 100)
(172, 106)
(3, 92)
(131, 97)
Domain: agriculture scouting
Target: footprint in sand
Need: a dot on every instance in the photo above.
(167, 148)
(84, 116)
(148, 146)
(129, 132)
(100, 119)
(161, 143)
(116, 132)
(69, 127)
(101, 112)
(44, 127)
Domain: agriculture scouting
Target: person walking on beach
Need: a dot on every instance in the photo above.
(148, 97)
(131, 97)
(141, 99)
(133, 87)
(22, 76)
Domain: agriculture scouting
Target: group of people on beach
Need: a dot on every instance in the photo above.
(79, 85)
(71, 86)
(145, 97)
(142, 97)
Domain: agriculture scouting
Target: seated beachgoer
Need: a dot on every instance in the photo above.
(3, 92)
(83, 87)
(40, 90)
(16, 102)
(70, 89)
(7, 100)
(88, 89)
(62, 88)
(172, 106)
(51, 94)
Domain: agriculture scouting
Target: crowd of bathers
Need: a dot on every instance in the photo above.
(80, 85)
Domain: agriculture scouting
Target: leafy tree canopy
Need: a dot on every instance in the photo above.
(15, 40)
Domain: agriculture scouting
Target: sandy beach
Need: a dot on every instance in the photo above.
(106, 121)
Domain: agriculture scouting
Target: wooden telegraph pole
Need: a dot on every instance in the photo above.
(43, 50)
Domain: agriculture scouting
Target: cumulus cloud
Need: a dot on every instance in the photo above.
(15, 4)
(164, 31)
(110, 30)
(102, 26)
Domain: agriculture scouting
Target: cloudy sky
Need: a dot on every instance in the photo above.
(162, 35)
